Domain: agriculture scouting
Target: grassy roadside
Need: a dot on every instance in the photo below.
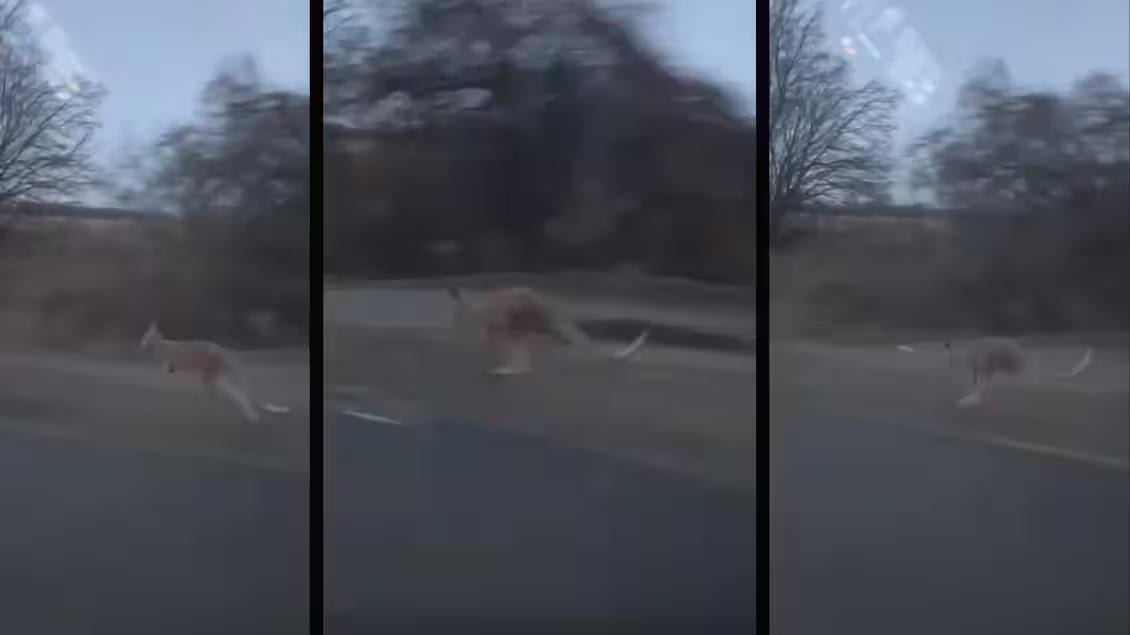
(131, 403)
(690, 407)
(694, 420)
(1088, 418)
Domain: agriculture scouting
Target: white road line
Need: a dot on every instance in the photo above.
(1102, 461)
(987, 438)
(370, 417)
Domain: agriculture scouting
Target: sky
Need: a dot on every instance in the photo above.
(1047, 44)
(713, 37)
(154, 57)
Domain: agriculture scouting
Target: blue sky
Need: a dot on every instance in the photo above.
(1047, 44)
(714, 37)
(154, 57)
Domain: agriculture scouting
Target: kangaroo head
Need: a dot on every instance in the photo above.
(152, 334)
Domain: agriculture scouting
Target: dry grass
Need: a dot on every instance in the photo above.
(1088, 414)
(842, 302)
(693, 411)
(74, 305)
(82, 290)
(692, 418)
(1022, 274)
(836, 281)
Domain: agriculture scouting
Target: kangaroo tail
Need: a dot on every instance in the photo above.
(575, 335)
(631, 349)
(1040, 372)
(1082, 364)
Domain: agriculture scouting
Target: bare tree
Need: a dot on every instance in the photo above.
(45, 128)
(829, 141)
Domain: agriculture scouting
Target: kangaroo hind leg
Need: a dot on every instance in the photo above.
(232, 390)
(514, 352)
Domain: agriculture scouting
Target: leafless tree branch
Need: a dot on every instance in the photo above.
(45, 129)
(829, 141)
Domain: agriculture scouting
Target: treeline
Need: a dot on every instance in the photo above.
(480, 135)
(238, 181)
(210, 234)
(1046, 173)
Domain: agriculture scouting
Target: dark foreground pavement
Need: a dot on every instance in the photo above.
(882, 528)
(108, 540)
(876, 529)
(474, 528)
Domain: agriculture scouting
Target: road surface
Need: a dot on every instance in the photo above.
(102, 539)
(458, 524)
(893, 529)
(888, 529)
(891, 512)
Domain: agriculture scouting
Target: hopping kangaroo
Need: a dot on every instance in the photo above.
(214, 364)
(999, 356)
(517, 320)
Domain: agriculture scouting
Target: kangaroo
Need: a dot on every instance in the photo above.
(1001, 356)
(516, 320)
(214, 364)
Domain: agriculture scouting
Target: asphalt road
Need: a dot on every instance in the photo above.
(99, 539)
(891, 529)
(876, 529)
(466, 526)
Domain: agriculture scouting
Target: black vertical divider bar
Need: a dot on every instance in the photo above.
(317, 471)
(762, 364)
